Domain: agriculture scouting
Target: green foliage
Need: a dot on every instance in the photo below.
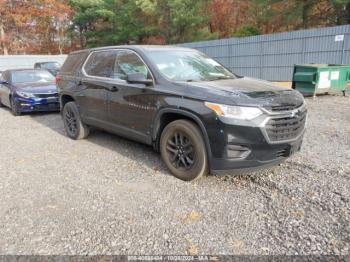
(342, 11)
(110, 22)
(107, 22)
(247, 31)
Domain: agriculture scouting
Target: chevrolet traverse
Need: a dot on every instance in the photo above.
(200, 116)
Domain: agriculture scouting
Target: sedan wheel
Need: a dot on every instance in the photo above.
(14, 108)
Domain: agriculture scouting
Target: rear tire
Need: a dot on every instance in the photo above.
(73, 125)
(183, 150)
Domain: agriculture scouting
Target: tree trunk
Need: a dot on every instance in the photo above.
(305, 15)
(2, 39)
(81, 38)
(306, 6)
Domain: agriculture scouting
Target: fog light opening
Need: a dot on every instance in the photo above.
(237, 151)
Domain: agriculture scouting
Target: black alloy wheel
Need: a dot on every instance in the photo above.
(71, 122)
(183, 150)
(73, 125)
(180, 150)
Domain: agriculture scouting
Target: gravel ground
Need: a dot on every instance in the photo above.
(108, 195)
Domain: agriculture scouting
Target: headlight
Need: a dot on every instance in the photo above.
(25, 94)
(237, 112)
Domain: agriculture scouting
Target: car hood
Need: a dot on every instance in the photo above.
(37, 88)
(246, 91)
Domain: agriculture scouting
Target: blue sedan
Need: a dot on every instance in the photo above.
(28, 90)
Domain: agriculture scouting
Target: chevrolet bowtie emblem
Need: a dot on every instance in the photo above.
(294, 113)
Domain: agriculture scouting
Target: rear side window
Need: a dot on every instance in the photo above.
(73, 63)
(101, 63)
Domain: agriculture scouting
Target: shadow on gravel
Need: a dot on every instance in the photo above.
(137, 152)
(51, 120)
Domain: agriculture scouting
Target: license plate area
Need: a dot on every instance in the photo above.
(52, 100)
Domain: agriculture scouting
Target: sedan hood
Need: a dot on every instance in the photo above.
(248, 91)
(37, 87)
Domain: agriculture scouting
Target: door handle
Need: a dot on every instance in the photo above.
(113, 89)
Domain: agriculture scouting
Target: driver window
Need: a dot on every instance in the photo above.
(127, 63)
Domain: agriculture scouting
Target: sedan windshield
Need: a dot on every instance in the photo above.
(30, 76)
(188, 66)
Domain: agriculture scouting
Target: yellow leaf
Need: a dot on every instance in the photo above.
(192, 216)
(192, 250)
(265, 249)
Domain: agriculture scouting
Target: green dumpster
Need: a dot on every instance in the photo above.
(315, 79)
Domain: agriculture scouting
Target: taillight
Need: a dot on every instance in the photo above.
(58, 78)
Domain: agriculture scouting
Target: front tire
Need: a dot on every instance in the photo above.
(14, 109)
(73, 125)
(183, 150)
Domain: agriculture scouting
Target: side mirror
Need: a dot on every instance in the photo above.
(138, 78)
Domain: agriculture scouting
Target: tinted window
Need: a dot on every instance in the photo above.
(127, 63)
(101, 63)
(51, 65)
(73, 63)
(29, 76)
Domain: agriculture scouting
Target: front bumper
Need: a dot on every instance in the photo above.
(37, 104)
(237, 146)
(261, 156)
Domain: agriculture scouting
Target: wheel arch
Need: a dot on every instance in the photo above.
(166, 116)
(65, 98)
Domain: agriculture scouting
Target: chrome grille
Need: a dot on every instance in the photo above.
(282, 108)
(286, 127)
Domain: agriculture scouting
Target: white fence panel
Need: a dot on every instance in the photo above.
(27, 61)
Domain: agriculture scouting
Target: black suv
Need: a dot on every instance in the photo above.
(199, 115)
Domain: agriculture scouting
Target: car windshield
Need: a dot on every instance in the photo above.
(188, 66)
(32, 76)
(51, 65)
